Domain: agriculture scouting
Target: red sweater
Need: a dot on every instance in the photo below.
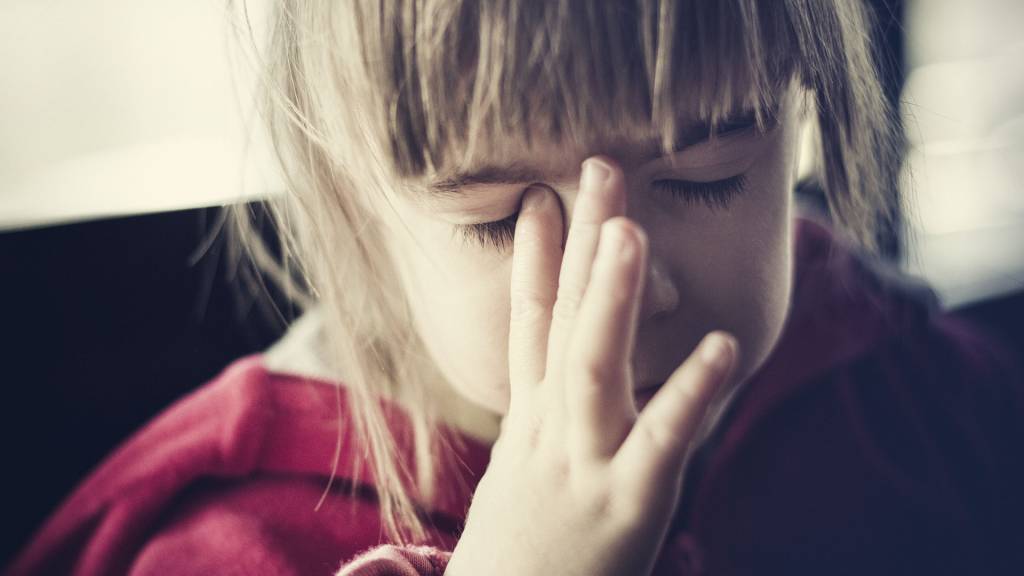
(880, 437)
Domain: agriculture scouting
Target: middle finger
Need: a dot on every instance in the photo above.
(601, 196)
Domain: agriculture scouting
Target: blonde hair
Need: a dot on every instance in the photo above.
(363, 96)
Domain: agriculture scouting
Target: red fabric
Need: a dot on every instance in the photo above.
(390, 560)
(227, 481)
(878, 438)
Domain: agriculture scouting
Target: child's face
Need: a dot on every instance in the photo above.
(709, 268)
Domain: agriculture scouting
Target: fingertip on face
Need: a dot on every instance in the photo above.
(626, 232)
(603, 179)
(536, 199)
(540, 216)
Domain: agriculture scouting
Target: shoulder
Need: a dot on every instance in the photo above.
(895, 441)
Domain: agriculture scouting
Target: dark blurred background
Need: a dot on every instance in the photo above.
(106, 323)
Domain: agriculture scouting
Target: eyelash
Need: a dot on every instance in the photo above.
(716, 195)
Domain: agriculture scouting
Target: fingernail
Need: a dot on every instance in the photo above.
(594, 172)
(534, 199)
(716, 352)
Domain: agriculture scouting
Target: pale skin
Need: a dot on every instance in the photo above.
(554, 343)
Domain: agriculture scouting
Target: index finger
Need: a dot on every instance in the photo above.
(536, 257)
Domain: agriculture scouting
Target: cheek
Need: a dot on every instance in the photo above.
(760, 287)
(735, 272)
(763, 304)
(460, 307)
(746, 291)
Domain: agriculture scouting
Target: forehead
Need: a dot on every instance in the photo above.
(540, 156)
(516, 161)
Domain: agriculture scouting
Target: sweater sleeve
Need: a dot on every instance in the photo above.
(391, 560)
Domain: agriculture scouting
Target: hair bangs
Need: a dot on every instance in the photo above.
(570, 71)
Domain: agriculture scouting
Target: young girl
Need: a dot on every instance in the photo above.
(563, 318)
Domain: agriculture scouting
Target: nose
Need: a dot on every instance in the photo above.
(661, 295)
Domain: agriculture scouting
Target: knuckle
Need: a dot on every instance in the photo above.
(601, 504)
(528, 306)
(661, 437)
(628, 511)
(616, 502)
(585, 367)
(570, 291)
(559, 467)
(690, 388)
(684, 392)
(524, 430)
(530, 290)
(566, 306)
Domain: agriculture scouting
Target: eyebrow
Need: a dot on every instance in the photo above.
(455, 183)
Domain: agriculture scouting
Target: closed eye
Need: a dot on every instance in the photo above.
(716, 195)
(498, 234)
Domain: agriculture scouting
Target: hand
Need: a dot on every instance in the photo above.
(579, 482)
